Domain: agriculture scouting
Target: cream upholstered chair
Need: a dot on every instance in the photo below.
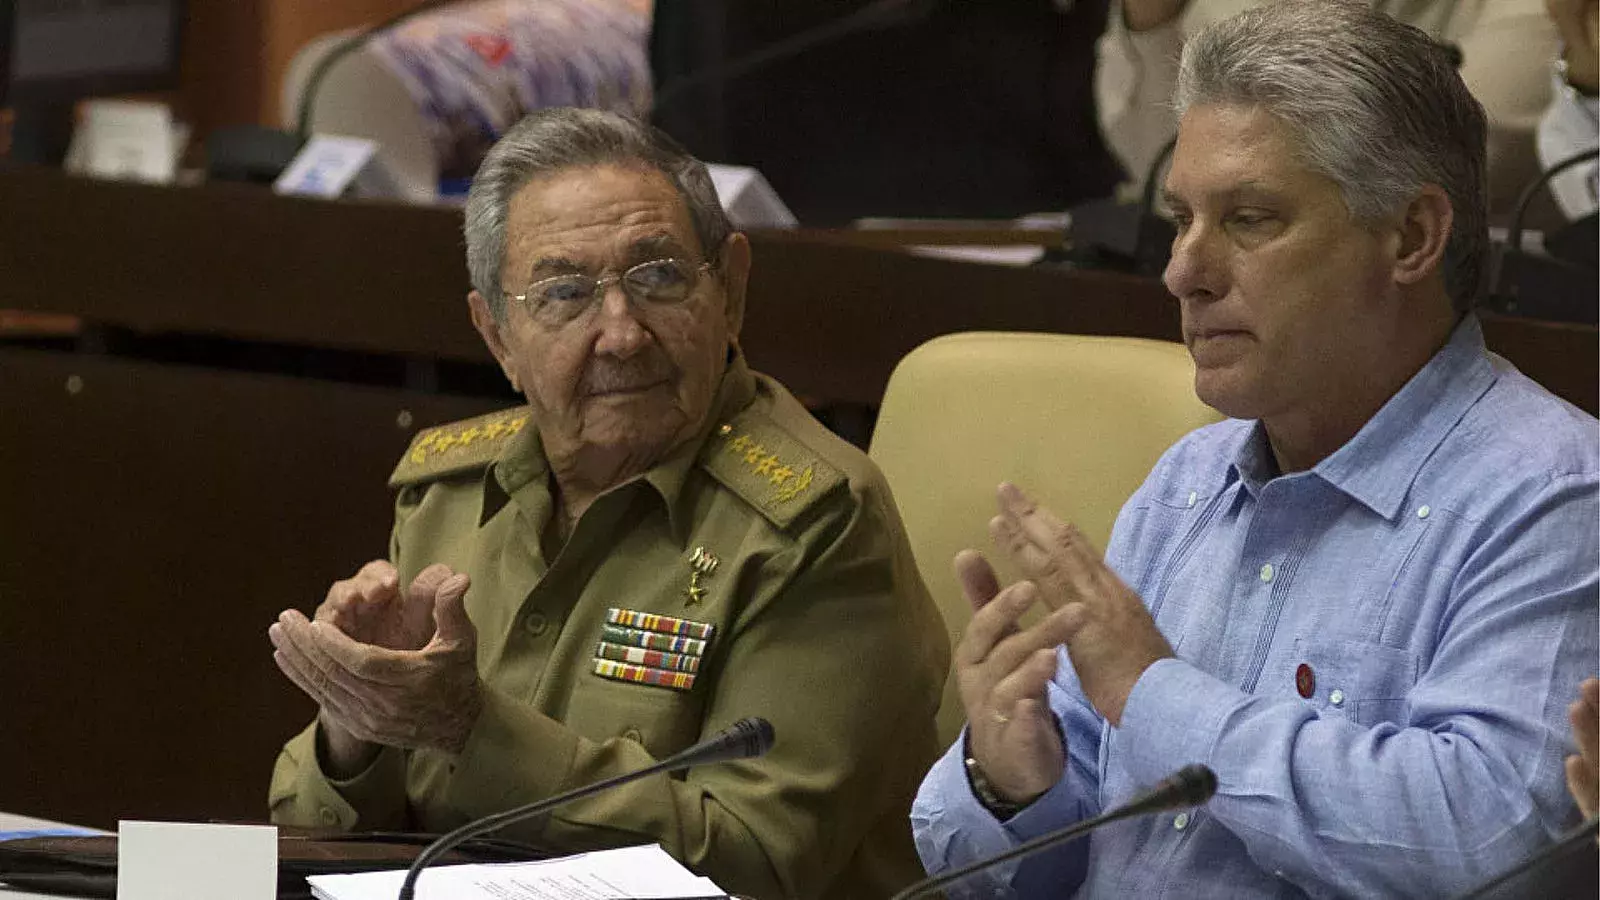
(1076, 421)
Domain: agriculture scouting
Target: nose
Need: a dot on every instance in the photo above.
(622, 334)
(1195, 271)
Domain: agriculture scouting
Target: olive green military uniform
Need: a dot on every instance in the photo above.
(759, 571)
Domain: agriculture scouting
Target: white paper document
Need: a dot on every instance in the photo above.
(628, 873)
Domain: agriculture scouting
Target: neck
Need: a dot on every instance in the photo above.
(578, 479)
(1300, 438)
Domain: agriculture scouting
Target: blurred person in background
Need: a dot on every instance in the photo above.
(1500, 44)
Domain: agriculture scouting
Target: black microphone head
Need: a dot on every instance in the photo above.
(1198, 782)
(755, 736)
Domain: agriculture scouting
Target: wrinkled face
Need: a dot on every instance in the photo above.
(624, 375)
(1287, 301)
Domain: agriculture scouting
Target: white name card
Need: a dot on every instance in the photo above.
(326, 166)
(184, 861)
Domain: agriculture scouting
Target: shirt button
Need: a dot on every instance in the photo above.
(1336, 697)
(1423, 511)
(327, 816)
(1193, 497)
(1180, 821)
(536, 623)
(1266, 572)
(633, 734)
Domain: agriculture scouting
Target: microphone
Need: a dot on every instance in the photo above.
(1565, 844)
(1572, 285)
(1191, 785)
(749, 737)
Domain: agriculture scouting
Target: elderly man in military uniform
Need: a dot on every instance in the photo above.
(659, 543)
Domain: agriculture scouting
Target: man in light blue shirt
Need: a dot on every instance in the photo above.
(1365, 600)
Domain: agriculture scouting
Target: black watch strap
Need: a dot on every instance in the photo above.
(982, 789)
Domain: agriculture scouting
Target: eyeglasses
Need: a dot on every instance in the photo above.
(563, 298)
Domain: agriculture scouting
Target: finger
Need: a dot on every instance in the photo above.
(1026, 682)
(363, 667)
(1048, 634)
(976, 577)
(996, 620)
(426, 585)
(452, 628)
(377, 581)
(334, 698)
(1584, 784)
(1585, 721)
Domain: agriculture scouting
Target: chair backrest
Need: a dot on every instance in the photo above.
(1076, 421)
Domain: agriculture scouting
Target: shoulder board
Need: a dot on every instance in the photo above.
(768, 467)
(458, 446)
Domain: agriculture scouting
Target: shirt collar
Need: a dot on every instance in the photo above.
(1377, 466)
(737, 389)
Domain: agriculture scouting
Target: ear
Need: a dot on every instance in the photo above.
(1424, 232)
(489, 329)
(735, 278)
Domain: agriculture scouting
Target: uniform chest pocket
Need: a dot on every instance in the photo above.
(1361, 681)
(663, 720)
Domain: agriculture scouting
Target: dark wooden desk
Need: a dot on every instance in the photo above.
(828, 315)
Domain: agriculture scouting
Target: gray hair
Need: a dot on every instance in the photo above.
(1376, 106)
(553, 140)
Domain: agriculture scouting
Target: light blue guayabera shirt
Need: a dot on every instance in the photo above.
(1437, 575)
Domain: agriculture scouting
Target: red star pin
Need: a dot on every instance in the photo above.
(1305, 681)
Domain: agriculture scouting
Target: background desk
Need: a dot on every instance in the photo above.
(14, 822)
(159, 508)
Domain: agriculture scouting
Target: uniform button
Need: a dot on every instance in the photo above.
(1180, 821)
(633, 734)
(536, 623)
(328, 816)
(1193, 497)
(1423, 511)
(1266, 572)
(1336, 697)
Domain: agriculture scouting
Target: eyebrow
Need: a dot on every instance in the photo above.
(1248, 188)
(656, 245)
(555, 265)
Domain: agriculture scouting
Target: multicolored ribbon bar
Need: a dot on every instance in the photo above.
(651, 640)
(621, 671)
(653, 622)
(653, 658)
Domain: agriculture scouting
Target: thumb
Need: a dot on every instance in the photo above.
(450, 620)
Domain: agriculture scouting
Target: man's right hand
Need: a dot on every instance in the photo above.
(1003, 674)
(371, 608)
(1143, 15)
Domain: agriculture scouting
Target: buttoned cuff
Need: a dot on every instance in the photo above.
(1174, 716)
(1054, 808)
(303, 794)
(513, 756)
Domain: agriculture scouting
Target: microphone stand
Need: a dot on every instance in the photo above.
(1192, 785)
(744, 739)
(1565, 844)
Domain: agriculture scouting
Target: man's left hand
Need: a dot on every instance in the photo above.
(1111, 639)
(425, 698)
